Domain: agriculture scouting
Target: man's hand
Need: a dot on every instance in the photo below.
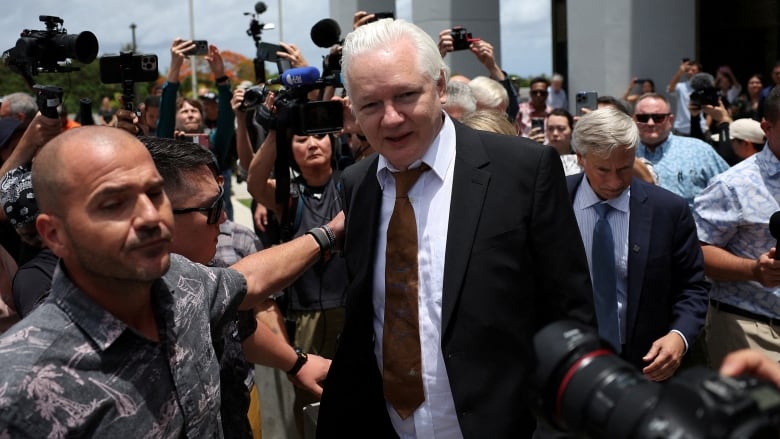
(237, 100)
(446, 43)
(484, 53)
(127, 120)
(751, 362)
(767, 270)
(179, 48)
(292, 53)
(665, 356)
(312, 374)
(360, 18)
(261, 217)
(718, 113)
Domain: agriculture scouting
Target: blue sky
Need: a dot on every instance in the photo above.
(224, 24)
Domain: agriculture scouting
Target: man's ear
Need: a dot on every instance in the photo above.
(441, 86)
(580, 160)
(52, 234)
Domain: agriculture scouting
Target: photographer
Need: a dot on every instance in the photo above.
(315, 302)
(483, 50)
(183, 116)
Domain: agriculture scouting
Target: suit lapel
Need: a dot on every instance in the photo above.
(639, 229)
(362, 228)
(469, 186)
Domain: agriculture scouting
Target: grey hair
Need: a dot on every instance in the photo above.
(489, 93)
(387, 33)
(21, 102)
(461, 96)
(602, 131)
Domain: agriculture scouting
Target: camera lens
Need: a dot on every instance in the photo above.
(584, 387)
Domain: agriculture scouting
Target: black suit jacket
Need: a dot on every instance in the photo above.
(514, 262)
(666, 285)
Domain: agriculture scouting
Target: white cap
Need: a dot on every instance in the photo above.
(745, 129)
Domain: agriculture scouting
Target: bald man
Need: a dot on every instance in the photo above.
(122, 345)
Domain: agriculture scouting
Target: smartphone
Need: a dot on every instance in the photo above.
(201, 48)
(381, 15)
(267, 51)
(586, 99)
(537, 122)
(115, 69)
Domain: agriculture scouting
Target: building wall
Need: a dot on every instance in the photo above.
(611, 41)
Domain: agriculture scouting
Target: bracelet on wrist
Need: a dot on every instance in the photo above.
(302, 359)
(323, 240)
(222, 79)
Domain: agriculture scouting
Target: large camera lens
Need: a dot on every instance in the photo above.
(584, 387)
(82, 46)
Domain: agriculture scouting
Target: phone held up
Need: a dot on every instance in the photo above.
(201, 48)
(586, 99)
(538, 122)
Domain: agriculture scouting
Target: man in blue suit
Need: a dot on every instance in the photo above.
(658, 273)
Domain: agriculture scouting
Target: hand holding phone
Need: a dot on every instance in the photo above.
(586, 99)
(201, 48)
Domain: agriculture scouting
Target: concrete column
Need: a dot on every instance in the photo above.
(478, 17)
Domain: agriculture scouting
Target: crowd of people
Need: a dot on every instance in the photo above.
(398, 268)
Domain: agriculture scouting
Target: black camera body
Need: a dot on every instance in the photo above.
(48, 98)
(461, 39)
(295, 111)
(583, 387)
(42, 51)
(705, 96)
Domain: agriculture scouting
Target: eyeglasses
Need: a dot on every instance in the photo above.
(657, 117)
(538, 93)
(213, 212)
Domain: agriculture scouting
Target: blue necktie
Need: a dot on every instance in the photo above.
(604, 278)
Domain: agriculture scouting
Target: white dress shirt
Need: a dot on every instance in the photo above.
(430, 198)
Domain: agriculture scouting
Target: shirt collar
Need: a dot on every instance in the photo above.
(438, 156)
(768, 161)
(587, 198)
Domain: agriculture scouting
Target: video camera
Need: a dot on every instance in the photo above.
(294, 110)
(705, 96)
(583, 387)
(48, 51)
(461, 39)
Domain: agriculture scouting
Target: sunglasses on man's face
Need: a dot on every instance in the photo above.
(538, 92)
(213, 212)
(657, 118)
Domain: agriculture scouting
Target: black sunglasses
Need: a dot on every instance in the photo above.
(213, 212)
(539, 93)
(657, 117)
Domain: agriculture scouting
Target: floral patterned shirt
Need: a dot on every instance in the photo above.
(72, 369)
(684, 165)
(733, 213)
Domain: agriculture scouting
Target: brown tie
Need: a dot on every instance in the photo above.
(402, 373)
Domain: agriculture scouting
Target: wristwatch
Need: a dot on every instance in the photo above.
(302, 359)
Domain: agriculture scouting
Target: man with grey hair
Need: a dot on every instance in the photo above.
(556, 95)
(20, 106)
(649, 288)
(437, 339)
(490, 94)
(460, 100)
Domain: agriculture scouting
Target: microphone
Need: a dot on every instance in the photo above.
(702, 81)
(774, 229)
(326, 33)
(297, 77)
(260, 8)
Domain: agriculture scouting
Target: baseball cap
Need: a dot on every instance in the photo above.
(745, 129)
(8, 125)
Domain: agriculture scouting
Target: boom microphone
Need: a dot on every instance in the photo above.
(299, 76)
(774, 229)
(325, 33)
(702, 81)
(260, 8)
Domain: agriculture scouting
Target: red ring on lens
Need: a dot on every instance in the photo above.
(570, 374)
